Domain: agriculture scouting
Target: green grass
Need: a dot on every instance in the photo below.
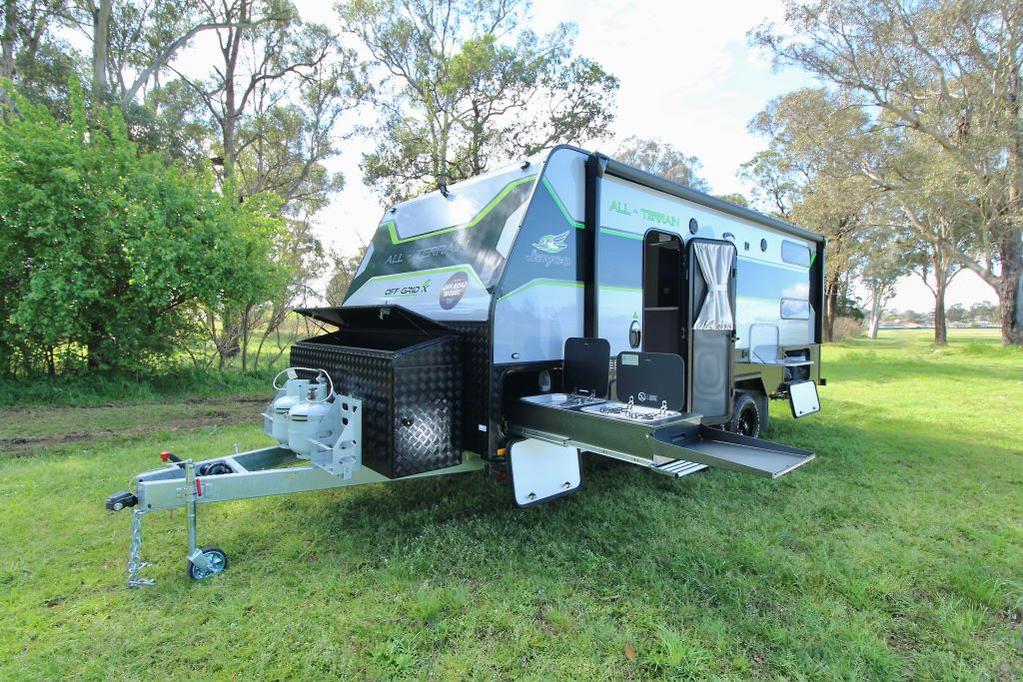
(898, 553)
(178, 384)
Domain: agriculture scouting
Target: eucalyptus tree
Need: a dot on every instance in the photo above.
(950, 72)
(33, 56)
(883, 263)
(664, 159)
(926, 194)
(460, 83)
(272, 106)
(809, 175)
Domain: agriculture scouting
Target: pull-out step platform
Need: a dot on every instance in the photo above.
(726, 450)
(679, 468)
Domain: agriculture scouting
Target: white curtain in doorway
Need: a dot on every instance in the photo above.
(716, 266)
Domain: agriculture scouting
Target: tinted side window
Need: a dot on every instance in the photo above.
(796, 254)
(793, 309)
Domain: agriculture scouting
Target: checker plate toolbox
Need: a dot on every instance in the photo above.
(407, 371)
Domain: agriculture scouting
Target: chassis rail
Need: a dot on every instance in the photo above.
(256, 473)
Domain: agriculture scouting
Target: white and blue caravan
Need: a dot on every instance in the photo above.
(566, 304)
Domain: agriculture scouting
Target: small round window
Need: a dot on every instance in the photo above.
(763, 245)
(693, 226)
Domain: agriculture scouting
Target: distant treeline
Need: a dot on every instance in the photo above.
(153, 213)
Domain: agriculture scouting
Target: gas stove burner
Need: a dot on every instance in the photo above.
(576, 400)
(632, 412)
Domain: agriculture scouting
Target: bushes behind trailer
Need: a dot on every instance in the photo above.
(847, 328)
(107, 253)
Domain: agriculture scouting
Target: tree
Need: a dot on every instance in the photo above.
(661, 158)
(983, 312)
(930, 209)
(132, 41)
(948, 72)
(736, 198)
(33, 58)
(106, 252)
(345, 267)
(957, 314)
(272, 107)
(884, 262)
(933, 264)
(809, 175)
(460, 83)
(911, 317)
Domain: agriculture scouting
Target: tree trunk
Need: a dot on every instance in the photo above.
(231, 113)
(940, 328)
(1010, 289)
(10, 36)
(246, 318)
(94, 358)
(100, 43)
(876, 309)
(830, 307)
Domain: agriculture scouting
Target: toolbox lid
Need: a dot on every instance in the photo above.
(377, 317)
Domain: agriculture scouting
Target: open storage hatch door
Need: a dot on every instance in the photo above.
(407, 371)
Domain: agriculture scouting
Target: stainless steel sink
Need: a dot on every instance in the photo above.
(563, 400)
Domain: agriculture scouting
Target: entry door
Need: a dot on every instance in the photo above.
(663, 293)
(711, 326)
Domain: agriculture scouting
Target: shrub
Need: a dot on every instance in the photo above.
(106, 253)
(847, 328)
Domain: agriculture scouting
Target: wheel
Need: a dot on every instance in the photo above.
(764, 405)
(214, 469)
(218, 564)
(745, 416)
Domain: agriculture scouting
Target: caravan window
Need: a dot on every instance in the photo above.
(436, 231)
(796, 254)
(795, 309)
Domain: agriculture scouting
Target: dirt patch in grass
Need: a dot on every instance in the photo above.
(30, 431)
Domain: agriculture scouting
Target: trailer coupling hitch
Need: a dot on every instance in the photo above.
(121, 500)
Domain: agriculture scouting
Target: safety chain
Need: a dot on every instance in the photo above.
(135, 563)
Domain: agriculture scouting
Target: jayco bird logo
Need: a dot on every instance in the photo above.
(552, 243)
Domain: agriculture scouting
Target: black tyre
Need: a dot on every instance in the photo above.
(746, 418)
(218, 564)
(763, 404)
(215, 469)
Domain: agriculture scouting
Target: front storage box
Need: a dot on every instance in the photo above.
(406, 370)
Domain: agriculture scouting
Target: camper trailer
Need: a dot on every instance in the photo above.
(565, 304)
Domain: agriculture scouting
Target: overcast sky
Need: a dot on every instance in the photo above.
(687, 76)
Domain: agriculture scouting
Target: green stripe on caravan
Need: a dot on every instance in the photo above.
(579, 225)
(542, 282)
(392, 227)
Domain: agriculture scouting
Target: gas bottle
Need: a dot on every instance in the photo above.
(295, 391)
(307, 420)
